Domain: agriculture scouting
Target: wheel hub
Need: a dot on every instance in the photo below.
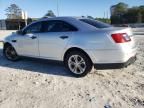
(77, 64)
(10, 53)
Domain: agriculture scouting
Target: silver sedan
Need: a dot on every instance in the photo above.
(80, 43)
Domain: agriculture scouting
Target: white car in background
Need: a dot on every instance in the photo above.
(80, 43)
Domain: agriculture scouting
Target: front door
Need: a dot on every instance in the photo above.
(28, 42)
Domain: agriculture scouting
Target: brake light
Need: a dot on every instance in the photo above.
(121, 37)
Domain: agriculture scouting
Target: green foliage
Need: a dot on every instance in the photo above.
(105, 20)
(122, 14)
(50, 13)
(120, 8)
(13, 12)
(141, 9)
(132, 15)
(90, 17)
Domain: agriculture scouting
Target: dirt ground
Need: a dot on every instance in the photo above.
(32, 83)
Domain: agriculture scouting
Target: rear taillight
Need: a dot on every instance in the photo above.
(121, 37)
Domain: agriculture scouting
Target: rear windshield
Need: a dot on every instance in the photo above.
(96, 23)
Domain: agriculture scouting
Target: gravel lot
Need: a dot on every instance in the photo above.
(33, 83)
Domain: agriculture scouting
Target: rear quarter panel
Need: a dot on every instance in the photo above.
(89, 40)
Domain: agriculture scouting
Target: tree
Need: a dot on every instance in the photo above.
(122, 14)
(118, 12)
(50, 13)
(90, 17)
(139, 19)
(141, 9)
(105, 20)
(132, 15)
(13, 12)
(120, 8)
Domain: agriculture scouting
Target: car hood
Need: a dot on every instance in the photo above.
(12, 35)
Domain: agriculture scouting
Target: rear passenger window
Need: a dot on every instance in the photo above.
(57, 26)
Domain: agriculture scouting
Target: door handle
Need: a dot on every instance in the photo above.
(63, 37)
(33, 37)
(14, 41)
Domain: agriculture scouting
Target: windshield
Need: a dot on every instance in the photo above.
(96, 23)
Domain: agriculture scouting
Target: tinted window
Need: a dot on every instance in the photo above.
(95, 23)
(57, 26)
(33, 28)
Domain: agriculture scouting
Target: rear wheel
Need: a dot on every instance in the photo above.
(10, 53)
(78, 63)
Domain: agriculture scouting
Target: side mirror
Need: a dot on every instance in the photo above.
(20, 32)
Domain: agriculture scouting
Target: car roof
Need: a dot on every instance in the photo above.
(61, 18)
(71, 20)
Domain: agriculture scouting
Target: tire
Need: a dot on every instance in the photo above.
(10, 53)
(78, 63)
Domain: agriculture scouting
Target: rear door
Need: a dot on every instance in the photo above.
(54, 38)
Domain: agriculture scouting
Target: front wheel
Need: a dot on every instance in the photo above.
(10, 53)
(78, 63)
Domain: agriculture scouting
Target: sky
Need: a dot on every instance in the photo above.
(37, 8)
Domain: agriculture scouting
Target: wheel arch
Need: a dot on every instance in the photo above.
(7, 44)
(76, 49)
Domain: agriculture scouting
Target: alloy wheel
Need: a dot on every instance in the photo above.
(77, 64)
(10, 53)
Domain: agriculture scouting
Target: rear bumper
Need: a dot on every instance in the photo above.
(115, 65)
